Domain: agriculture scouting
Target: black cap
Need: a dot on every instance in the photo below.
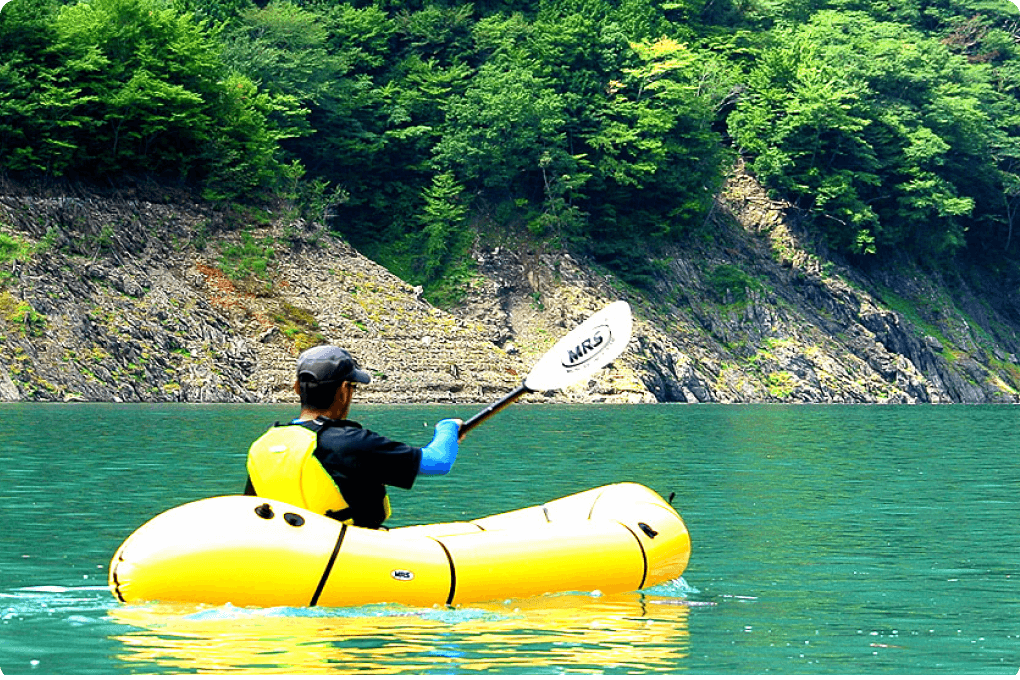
(326, 364)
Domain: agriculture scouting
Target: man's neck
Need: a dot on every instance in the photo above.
(311, 414)
(334, 412)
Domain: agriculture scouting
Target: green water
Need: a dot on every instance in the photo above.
(827, 539)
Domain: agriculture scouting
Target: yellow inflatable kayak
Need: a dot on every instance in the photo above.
(247, 550)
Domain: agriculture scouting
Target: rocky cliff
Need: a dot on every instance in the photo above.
(113, 298)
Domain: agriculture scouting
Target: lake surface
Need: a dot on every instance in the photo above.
(826, 539)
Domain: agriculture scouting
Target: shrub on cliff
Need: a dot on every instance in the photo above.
(113, 87)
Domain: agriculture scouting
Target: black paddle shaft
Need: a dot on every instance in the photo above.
(492, 410)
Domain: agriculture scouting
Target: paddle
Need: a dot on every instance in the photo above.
(577, 356)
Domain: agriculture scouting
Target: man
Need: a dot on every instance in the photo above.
(325, 463)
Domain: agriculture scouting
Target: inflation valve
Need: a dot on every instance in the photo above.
(264, 511)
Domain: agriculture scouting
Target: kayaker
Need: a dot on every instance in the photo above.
(326, 463)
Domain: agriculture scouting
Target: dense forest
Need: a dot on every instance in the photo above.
(602, 126)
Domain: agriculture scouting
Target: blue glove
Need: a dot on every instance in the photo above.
(437, 458)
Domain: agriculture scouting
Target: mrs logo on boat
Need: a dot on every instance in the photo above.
(589, 348)
(402, 575)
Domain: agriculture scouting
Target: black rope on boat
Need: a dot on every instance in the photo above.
(644, 555)
(116, 581)
(453, 573)
(329, 566)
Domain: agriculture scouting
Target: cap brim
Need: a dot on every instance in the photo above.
(358, 375)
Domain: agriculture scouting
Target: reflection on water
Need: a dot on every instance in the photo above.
(564, 633)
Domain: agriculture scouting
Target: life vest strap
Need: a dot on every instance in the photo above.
(340, 515)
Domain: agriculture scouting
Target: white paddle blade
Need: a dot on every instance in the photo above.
(586, 349)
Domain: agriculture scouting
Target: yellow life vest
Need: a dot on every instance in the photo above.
(282, 466)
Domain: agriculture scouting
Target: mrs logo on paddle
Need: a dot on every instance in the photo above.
(588, 348)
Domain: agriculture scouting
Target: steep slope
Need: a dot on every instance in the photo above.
(760, 314)
(117, 299)
(128, 301)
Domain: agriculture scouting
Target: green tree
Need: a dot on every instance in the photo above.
(801, 124)
(496, 132)
(352, 108)
(441, 218)
(881, 133)
(217, 11)
(654, 146)
(282, 47)
(38, 120)
(145, 73)
(139, 88)
(245, 156)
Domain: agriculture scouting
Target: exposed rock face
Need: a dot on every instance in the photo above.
(808, 329)
(119, 300)
(128, 301)
(106, 308)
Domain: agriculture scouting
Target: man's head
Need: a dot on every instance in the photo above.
(322, 370)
